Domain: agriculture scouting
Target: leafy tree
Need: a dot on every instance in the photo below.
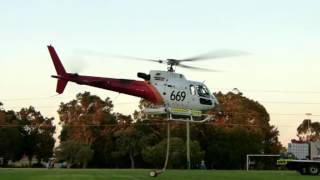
(10, 136)
(235, 109)
(156, 154)
(37, 134)
(238, 119)
(84, 155)
(308, 130)
(74, 153)
(230, 146)
(128, 142)
(10, 144)
(196, 153)
(89, 120)
(85, 118)
(103, 147)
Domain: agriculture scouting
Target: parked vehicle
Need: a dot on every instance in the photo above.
(302, 157)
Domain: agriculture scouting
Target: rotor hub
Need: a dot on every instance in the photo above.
(171, 63)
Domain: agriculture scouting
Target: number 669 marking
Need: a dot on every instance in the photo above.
(179, 96)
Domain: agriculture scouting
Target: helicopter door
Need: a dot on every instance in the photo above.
(192, 97)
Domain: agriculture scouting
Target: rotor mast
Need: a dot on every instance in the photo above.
(171, 63)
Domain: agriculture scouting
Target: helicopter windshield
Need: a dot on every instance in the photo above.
(203, 91)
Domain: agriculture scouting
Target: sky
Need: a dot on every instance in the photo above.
(282, 38)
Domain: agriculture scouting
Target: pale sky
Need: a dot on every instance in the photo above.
(281, 73)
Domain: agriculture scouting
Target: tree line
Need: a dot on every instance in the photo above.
(25, 133)
(95, 136)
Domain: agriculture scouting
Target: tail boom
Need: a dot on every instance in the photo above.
(141, 89)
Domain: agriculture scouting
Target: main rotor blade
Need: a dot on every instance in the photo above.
(135, 58)
(197, 68)
(101, 54)
(215, 55)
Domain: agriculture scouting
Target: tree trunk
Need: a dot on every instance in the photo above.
(131, 160)
(84, 165)
(5, 162)
(30, 161)
(68, 165)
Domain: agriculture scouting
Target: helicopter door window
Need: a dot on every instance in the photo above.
(203, 91)
(192, 90)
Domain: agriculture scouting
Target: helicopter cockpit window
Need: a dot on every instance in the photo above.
(203, 91)
(192, 90)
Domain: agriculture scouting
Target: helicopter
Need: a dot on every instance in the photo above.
(169, 92)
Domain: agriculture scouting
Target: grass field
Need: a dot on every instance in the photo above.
(123, 174)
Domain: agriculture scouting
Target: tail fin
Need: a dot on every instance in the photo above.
(56, 61)
(59, 68)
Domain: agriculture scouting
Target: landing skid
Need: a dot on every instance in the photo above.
(178, 114)
(206, 117)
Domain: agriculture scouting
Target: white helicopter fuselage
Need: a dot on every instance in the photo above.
(178, 92)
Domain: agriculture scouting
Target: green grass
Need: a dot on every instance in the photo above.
(124, 174)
